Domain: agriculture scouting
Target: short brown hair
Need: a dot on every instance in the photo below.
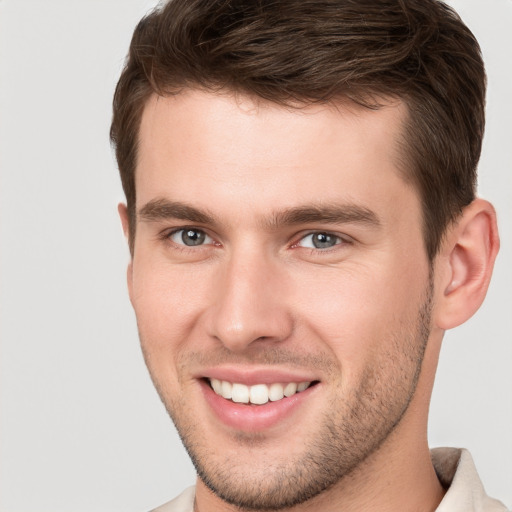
(308, 51)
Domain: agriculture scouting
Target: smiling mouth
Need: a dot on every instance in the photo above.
(258, 394)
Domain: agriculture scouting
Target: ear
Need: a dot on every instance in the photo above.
(465, 264)
(123, 215)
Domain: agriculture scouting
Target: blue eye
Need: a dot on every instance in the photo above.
(190, 237)
(319, 240)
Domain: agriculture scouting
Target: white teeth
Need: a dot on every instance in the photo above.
(302, 386)
(226, 389)
(275, 392)
(240, 393)
(216, 385)
(290, 389)
(258, 394)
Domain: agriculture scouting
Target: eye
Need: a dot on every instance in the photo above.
(319, 240)
(190, 237)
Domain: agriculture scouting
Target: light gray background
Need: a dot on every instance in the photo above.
(81, 426)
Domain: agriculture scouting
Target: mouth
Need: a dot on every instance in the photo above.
(258, 400)
(257, 394)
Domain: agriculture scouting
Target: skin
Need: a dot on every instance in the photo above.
(363, 318)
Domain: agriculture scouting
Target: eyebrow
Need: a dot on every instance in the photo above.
(163, 209)
(325, 214)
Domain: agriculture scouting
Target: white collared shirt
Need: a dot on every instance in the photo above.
(456, 472)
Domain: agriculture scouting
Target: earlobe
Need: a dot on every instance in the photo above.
(467, 258)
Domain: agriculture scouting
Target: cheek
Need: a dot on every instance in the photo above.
(359, 315)
(167, 305)
(167, 302)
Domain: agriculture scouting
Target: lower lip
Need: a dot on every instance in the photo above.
(254, 418)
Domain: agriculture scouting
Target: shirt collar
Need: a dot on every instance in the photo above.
(457, 473)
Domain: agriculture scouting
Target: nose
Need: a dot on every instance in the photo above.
(250, 304)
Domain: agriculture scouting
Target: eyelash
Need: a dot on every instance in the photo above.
(166, 236)
(338, 240)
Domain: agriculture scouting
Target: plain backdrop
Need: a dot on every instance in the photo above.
(81, 426)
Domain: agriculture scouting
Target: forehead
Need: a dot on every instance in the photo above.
(246, 119)
(229, 149)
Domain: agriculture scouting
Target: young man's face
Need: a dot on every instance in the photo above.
(278, 248)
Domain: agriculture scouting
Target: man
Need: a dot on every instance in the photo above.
(302, 219)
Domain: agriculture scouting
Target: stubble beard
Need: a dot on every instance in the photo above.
(353, 427)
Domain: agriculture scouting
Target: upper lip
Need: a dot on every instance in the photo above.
(251, 376)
